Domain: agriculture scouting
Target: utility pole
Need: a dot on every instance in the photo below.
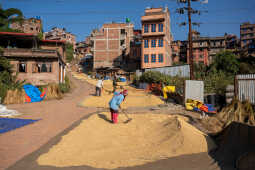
(190, 43)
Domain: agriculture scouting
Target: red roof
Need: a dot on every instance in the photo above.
(17, 33)
(55, 41)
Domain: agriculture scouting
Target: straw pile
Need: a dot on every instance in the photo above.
(15, 97)
(53, 92)
(239, 112)
(147, 138)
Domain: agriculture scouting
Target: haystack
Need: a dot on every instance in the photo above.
(53, 92)
(15, 97)
(237, 111)
(147, 138)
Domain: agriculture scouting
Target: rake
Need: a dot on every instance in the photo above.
(128, 118)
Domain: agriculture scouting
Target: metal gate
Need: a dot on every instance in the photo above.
(245, 87)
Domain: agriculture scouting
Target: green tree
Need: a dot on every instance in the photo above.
(226, 62)
(69, 52)
(8, 81)
(9, 16)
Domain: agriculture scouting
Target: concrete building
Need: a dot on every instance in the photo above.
(60, 34)
(111, 45)
(157, 38)
(39, 62)
(31, 25)
(247, 38)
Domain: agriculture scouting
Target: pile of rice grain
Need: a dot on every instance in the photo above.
(147, 138)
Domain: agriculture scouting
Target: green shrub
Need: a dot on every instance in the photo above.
(8, 81)
(66, 86)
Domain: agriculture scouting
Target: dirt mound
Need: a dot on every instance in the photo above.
(234, 141)
(147, 138)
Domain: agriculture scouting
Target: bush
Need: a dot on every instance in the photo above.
(66, 86)
(157, 77)
(8, 81)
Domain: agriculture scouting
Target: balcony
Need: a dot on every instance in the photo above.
(152, 34)
(159, 17)
(37, 53)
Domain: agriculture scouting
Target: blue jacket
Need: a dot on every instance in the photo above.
(116, 100)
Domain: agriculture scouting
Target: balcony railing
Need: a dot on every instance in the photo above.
(22, 52)
(153, 17)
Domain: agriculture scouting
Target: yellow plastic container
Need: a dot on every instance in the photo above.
(168, 89)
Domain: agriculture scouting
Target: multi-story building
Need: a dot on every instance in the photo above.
(134, 57)
(157, 38)
(206, 48)
(176, 48)
(111, 44)
(31, 25)
(39, 62)
(60, 34)
(247, 37)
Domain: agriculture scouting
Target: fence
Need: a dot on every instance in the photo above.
(182, 70)
(194, 90)
(245, 87)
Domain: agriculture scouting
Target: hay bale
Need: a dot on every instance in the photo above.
(15, 97)
(53, 92)
(237, 111)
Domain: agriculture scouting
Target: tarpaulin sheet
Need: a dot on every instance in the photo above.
(33, 94)
(7, 124)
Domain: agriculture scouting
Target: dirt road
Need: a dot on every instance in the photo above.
(54, 115)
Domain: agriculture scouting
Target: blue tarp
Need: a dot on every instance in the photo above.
(33, 93)
(7, 124)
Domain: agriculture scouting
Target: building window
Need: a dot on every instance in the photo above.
(153, 58)
(160, 27)
(42, 68)
(22, 66)
(146, 58)
(146, 28)
(31, 28)
(153, 27)
(146, 43)
(160, 42)
(122, 42)
(153, 43)
(160, 58)
(122, 31)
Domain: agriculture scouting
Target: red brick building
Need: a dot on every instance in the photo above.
(31, 25)
(247, 37)
(206, 48)
(111, 44)
(60, 34)
(37, 62)
(157, 38)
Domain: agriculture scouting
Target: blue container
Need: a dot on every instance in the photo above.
(123, 79)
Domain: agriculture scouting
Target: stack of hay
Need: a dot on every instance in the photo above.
(53, 92)
(15, 97)
(237, 111)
